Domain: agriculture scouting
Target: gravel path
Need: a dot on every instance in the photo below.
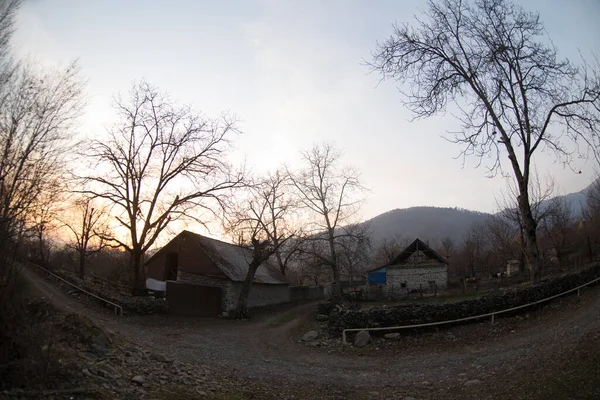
(268, 349)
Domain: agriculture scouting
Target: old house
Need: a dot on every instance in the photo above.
(204, 276)
(417, 267)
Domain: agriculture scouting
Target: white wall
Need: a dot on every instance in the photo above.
(416, 277)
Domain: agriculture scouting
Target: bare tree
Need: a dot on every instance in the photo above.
(329, 193)
(475, 247)
(42, 217)
(164, 163)
(492, 60)
(89, 226)
(448, 246)
(37, 114)
(262, 222)
(590, 223)
(557, 227)
(389, 248)
(502, 234)
(355, 251)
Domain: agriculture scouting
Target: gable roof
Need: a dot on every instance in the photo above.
(417, 245)
(233, 260)
(414, 247)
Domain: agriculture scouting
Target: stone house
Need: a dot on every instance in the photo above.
(204, 276)
(417, 267)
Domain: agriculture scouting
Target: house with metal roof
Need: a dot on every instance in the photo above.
(417, 267)
(204, 276)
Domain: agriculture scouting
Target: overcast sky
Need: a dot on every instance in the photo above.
(293, 72)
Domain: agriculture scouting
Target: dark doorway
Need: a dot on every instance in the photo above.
(188, 299)
(171, 267)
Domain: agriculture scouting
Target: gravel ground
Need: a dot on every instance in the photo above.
(469, 361)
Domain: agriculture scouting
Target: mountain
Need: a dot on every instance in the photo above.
(426, 223)
(436, 223)
(575, 201)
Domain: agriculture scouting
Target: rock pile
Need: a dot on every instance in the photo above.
(118, 369)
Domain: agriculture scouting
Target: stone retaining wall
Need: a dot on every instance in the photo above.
(426, 313)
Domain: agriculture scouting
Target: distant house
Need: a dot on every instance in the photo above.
(513, 267)
(416, 267)
(204, 276)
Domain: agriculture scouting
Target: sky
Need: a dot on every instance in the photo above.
(294, 74)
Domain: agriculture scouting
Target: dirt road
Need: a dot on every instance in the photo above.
(473, 356)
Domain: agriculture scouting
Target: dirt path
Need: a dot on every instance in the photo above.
(267, 350)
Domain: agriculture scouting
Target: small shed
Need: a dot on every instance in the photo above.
(513, 267)
(417, 267)
(204, 276)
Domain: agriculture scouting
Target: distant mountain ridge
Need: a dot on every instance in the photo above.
(426, 223)
(436, 223)
(575, 201)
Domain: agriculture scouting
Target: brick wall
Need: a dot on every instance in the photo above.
(415, 278)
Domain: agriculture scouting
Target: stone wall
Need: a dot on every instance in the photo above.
(416, 278)
(425, 313)
(261, 295)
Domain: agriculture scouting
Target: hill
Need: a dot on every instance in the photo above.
(426, 223)
(436, 223)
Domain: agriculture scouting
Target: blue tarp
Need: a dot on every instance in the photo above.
(378, 277)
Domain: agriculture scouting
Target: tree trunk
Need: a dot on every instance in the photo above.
(531, 251)
(82, 264)
(242, 309)
(136, 264)
(336, 289)
(278, 257)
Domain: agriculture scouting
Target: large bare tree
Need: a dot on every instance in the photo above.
(263, 222)
(330, 193)
(37, 114)
(160, 163)
(514, 96)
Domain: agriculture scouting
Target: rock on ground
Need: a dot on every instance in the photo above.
(310, 336)
(362, 339)
(392, 336)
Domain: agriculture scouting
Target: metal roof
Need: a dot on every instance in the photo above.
(234, 260)
(416, 246)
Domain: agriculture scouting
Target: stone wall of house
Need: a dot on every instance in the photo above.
(426, 313)
(202, 280)
(417, 278)
(261, 295)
